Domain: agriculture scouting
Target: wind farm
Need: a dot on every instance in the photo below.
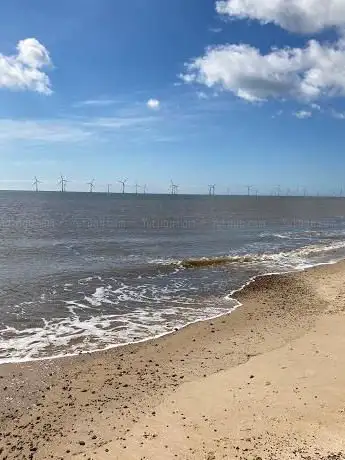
(135, 188)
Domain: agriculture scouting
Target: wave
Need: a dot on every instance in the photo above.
(75, 334)
(325, 234)
(283, 236)
(283, 256)
(210, 261)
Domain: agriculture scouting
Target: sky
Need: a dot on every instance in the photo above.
(227, 92)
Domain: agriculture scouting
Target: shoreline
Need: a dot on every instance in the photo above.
(229, 297)
(116, 403)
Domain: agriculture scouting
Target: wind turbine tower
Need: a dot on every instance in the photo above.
(91, 185)
(62, 182)
(212, 189)
(249, 189)
(173, 188)
(123, 182)
(35, 183)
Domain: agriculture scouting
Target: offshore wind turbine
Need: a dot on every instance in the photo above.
(123, 182)
(91, 185)
(137, 186)
(144, 189)
(108, 188)
(35, 183)
(173, 188)
(212, 189)
(62, 182)
(249, 189)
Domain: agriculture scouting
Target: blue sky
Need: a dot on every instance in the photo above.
(228, 92)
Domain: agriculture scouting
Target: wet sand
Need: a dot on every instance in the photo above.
(265, 382)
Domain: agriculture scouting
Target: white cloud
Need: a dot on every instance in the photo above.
(23, 71)
(301, 73)
(70, 130)
(302, 114)
(215, 30)
(32, 53)
(95, 102)
(153, 104)
(42, 130)
(201, 95)
(302, 16)
(338, 115)
(114, 123)
(316, 107)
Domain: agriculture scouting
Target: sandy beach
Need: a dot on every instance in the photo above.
(265, 382)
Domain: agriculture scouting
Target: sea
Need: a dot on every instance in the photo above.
(81, 272)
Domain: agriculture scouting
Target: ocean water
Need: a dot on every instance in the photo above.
(81, 272)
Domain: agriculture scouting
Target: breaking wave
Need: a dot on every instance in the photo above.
(284, 256)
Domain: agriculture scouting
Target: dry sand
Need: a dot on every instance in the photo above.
(265, 382)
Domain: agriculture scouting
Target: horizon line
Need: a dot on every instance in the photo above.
(256, 196)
